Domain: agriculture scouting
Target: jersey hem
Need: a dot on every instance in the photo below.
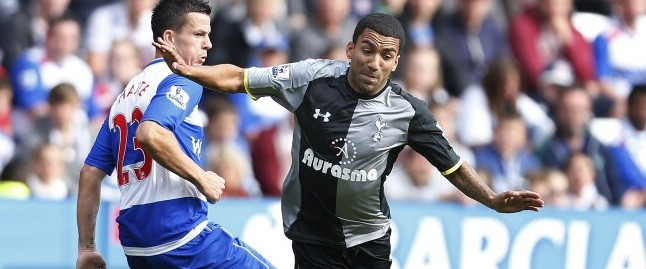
(156, 250)
(367, 237)
(314, 240)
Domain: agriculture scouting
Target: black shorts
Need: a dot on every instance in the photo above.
(373, 254)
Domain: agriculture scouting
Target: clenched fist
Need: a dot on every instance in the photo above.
(212, 187)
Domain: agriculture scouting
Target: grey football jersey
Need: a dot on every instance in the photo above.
(344, 146)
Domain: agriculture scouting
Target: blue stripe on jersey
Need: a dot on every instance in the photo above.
(175, 100)
(165, 221)
(101, 156)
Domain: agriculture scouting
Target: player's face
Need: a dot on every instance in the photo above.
(192, 40)
(372, 59)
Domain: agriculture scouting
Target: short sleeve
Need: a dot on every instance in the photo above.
(427, 138)
(175, 99)
(101, 155)
(287, 83)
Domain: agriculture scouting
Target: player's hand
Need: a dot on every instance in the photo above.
(515, 201)
(212, 187)
(172, 57)
(90, 259)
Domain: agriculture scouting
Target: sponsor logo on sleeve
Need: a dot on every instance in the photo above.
(178, 96)
(280, 72)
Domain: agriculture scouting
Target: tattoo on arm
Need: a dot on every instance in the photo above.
(467, 180)
(91, 243)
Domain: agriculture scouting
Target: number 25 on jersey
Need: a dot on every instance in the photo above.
(130, 149)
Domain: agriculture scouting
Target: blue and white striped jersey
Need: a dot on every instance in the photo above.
(159, 210)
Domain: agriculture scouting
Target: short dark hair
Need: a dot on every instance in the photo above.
(170, 14)
(636, 90)
(383, 24)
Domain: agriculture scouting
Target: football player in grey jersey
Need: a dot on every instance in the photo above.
(351, 122)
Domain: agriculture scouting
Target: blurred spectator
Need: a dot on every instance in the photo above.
(48, 178)
(414, 178)
(126, 19)
(335, 53)
(268, 128)
(474, 40)
(551, 185)
(508, 158)
(83, 8)
(446, 116)
(124, 64)
(6, 123)
(481, 108)
(26, 25)
(583, 193)
(422, 76)
(392, 7)
(573, 113)
(66, 127)
(331, 26)
(557, 76)
(223, 126)
(236, 41)
(223, 137)
(620, 54)
(630, 148)
(271, 156)
(420, 23)
(257, 115)
(230, 163)
(12, 180)
(40, 68)
(543, 34)
(272, 51)
(6, 115)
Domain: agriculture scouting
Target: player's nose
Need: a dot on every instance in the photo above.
(207, 44)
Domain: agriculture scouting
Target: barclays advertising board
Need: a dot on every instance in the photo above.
(424, 236)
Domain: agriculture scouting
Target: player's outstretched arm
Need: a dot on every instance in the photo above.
(226, 78)
(162, 145)
(467, 181)
(89, 197)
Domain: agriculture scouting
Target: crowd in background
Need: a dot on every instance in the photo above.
(548, 95)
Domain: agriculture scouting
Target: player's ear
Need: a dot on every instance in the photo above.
(396, 63)
(168, 36)
(348, 50)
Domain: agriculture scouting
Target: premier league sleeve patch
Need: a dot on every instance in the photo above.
(280, 72)
(178, 96)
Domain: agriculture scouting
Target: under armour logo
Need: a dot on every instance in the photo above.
(326, 116)
(380, 123)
